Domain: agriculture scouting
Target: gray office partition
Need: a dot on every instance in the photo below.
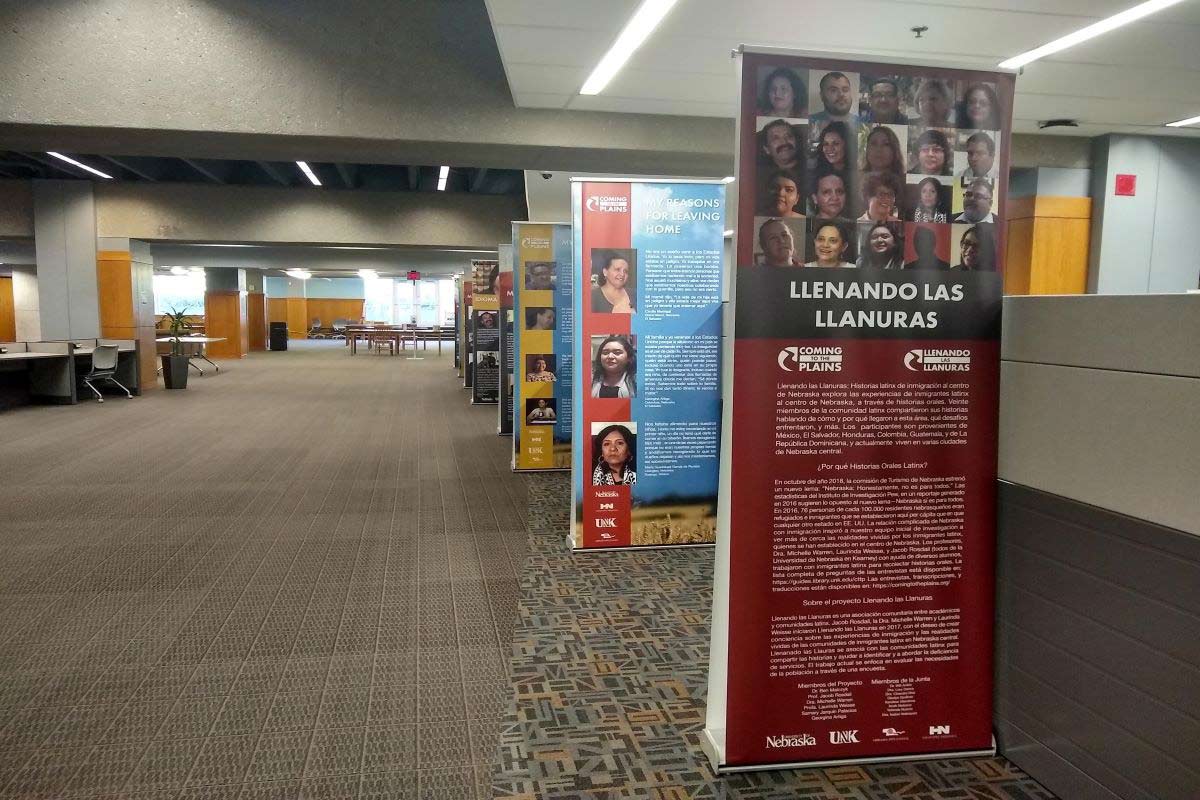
(1098, 612)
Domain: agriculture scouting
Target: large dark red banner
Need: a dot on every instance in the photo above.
(855, 588)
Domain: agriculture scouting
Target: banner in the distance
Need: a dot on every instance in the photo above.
(504, 419)
(465, 335)
(649, 258)
(853, 600)
(485, 330)
(542, 281)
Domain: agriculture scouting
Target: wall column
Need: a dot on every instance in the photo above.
(8, 321)
(27, 309)
(125, 282)
(225, 314)
(1049, 229)
(256, 311)
(64, 221)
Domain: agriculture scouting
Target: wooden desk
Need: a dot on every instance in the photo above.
(48, 376)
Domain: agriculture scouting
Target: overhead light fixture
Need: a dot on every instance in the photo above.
(728, 179)
(1184, 122)
(443, 174)
(1090, 32)
(79, 164)
(307, 170)
(300, 274)
(179, 271)
(368, 274)
(640, 26)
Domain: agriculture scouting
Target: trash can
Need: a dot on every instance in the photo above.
(278, 336)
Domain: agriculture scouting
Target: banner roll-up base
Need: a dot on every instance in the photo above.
(713, 745)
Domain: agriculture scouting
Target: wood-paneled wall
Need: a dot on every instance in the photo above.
(299, 312)
(8, 316)
(225, 317)
(327, 310)
(125, 289)
(256, 320)
(1048, 241)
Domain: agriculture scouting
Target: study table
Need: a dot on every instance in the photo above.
(402, 336)
(201, 342)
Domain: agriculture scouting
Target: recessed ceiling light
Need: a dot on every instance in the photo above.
(443, 174)
(79, 164)
(179, 271)
(1184, 122)
(307, 170)
(1090, 32)
(728, 179)
(643, 22)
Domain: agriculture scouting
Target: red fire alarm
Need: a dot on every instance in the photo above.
(413, 275)
(1126, 185)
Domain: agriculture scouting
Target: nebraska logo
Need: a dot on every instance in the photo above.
(791, 740)
(938, 360)
(810, 359)
(608, 203)
(843, 737)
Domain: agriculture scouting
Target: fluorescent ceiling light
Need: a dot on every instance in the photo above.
(307, 170)
(728, 179)
(1183, 122)
(443, 174)
(640, 25)
(302, 274)
(179, 271)
(1090, 32)
(79, 164)
(368, 274)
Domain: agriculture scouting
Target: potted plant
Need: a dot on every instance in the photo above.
(175, 365)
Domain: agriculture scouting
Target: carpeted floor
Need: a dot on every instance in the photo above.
(610, 663)
(297, 578)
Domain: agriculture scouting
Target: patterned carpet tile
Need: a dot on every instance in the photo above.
(609, 671)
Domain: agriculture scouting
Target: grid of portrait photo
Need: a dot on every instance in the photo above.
(874, 170)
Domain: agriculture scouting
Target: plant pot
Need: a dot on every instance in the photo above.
(175, 371)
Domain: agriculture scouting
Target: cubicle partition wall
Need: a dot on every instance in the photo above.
(1097, 657)
(49, 372)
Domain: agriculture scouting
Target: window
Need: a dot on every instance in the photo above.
(179, 292)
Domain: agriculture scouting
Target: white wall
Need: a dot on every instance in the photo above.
(1145, 243)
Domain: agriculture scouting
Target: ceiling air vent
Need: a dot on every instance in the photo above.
(1058, 123)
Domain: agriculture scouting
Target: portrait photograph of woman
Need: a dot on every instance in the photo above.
(928, 200)
(979, 107)
(614, 366)
(883, 150)
(540, 368)
(782, 93)
(930, 153)
(614, 281)
(539, 318)
(881, 246)
(830, 244)
(614, 453)
(781, 195)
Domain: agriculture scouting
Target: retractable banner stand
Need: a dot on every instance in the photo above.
(853, 603)
(649, 258)
(466, 336)
(504, 421)
(542, 282)
(485, 331)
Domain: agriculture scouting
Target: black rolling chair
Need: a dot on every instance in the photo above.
(104, 368)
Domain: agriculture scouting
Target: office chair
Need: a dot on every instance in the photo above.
(104, 368)
(314, 330)
(339, 328)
